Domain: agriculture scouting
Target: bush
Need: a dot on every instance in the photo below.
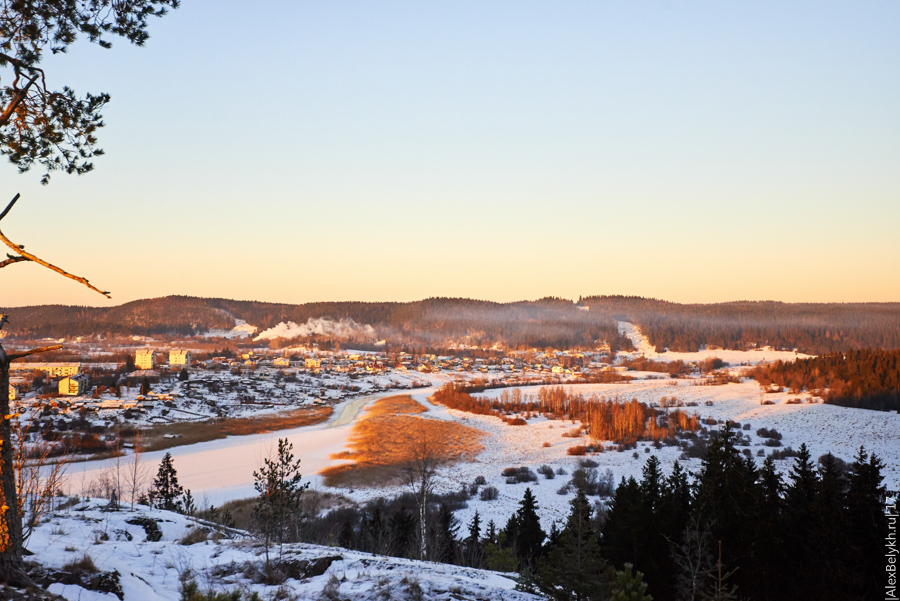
(772, 442)
(517, 475)
(479, 481)
(694, 450)
(489, 493)
(546, 444)
(190, 591)
(547, 472)
(587, 463)
(769, 433)
(196, 535)
(586, 481)
(82, 565)
(573, 433)
(576, 450)
(784, 453)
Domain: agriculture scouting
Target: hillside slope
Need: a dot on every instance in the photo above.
(130, 566)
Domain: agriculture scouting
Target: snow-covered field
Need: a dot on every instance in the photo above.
(152, 570)
(824, 428)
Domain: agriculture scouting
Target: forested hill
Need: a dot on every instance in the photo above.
(545, 322)
(812, 328)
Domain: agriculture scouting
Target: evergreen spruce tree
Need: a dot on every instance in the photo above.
(501, 555)
(373, 537)
(829, 527)
(770, 551)
(490, 536)
(672, 515)
(866, 525)
(653, 556)
(445, 529)
(573, 568)
(728, 502)
(345, 536)
(800, 535)
(474, 547)
(165, 490)
(623, 533)
(629, 586)
(530, 536)
(402, 528)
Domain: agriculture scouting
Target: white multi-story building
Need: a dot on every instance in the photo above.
(54, 370)
(179, 358)
(145, 359)
(73, 385)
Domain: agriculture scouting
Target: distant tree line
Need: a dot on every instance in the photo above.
(809, 327)
(868, 378)
(432, 322)
(549, 322)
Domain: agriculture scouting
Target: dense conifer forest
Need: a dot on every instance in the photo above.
(868, 378)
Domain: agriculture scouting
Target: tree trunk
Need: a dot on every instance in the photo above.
(11, 571)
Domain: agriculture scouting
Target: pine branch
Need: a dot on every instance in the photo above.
(26, 256)
(12, 259)
(34, 351)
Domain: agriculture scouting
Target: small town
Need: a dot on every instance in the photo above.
(158, 386)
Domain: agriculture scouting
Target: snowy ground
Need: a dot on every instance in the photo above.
(152, 570)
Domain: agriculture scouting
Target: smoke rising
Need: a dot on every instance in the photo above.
(345, 328)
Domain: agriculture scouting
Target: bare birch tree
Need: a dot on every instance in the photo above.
(137, 473)
(418, 475)
(693, 557)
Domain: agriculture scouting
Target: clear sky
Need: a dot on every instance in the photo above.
(296, 151)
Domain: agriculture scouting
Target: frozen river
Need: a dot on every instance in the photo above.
(222, 470)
